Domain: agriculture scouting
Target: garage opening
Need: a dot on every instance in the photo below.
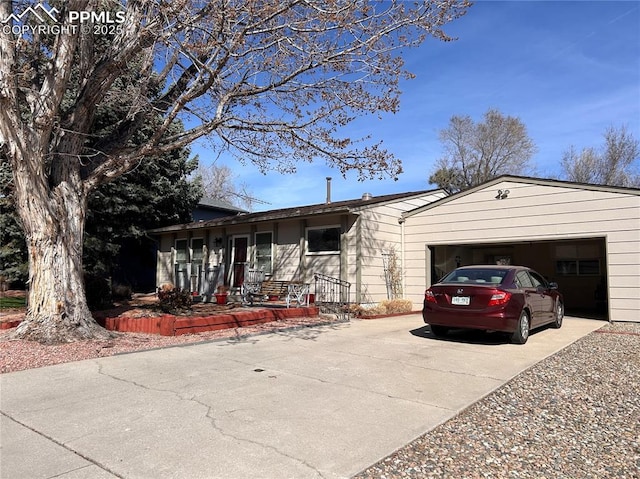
(579, 266)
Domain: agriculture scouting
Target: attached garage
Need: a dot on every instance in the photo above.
(584, 237)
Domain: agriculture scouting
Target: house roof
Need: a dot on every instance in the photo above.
(347, 206)
(525, 180)
(220, 205)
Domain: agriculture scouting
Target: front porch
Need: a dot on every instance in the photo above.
(205, 282)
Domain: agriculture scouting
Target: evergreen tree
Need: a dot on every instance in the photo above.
(118, 254)
(117, 250)
(14, 263)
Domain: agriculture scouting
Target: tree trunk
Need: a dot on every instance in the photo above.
(53, 220)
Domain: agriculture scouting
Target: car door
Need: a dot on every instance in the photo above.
(525, 283)
(544, 299)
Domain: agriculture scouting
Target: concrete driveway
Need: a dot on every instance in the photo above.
(323, 402)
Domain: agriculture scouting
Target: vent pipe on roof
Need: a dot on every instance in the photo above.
(328, 189)
(367, 196)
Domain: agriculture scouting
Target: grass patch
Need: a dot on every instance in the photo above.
(12, 302)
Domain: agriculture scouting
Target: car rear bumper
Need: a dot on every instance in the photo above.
(499, 320)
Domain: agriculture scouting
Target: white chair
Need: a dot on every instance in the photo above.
(298, 292)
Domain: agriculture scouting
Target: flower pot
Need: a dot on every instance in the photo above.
(221, 298)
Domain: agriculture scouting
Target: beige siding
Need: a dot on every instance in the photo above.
(537, 211)
(287, 254)
(380, 231)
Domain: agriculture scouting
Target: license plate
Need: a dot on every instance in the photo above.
(460, 300)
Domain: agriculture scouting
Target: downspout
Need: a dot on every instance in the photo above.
(401, 220)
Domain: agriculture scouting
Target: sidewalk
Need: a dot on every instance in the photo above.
(310, 403)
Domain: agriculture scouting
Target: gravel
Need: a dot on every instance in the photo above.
(573, 415)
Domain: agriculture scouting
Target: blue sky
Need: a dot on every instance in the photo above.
(568, 70)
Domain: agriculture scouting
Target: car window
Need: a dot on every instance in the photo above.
(537, 279)
(523, 280)
(475, 275)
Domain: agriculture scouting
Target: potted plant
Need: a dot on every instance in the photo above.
(221, 294)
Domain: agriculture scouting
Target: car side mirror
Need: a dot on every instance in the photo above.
(553, 285)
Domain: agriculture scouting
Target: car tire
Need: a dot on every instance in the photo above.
(521, 334)
(559, 315)
(439, 331)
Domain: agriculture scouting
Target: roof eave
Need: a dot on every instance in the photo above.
(242, 219)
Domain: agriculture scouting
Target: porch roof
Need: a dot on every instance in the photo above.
(337, 207)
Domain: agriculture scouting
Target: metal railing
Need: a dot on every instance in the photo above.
(251, 284)
(332, 295)
(198, 278)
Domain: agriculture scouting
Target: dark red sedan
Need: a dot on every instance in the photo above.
(512, 299)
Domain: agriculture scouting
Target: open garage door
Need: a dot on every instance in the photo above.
(579, 266)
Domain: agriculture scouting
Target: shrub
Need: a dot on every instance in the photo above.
(121, 291)
(173, 300)
(366, 310)
(98, 292)
(387, 306)
(393, 306)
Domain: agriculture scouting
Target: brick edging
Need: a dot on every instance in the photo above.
(171, 325)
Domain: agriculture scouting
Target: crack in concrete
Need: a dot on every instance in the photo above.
(221, 431)
(65, 447)
(209, 414)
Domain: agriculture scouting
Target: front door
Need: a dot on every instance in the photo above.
(239, 248)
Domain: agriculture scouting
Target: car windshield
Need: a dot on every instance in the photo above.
(476, 275)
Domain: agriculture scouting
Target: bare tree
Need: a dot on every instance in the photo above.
(220, 183)
(478, 152)
(272, 82)
(615, 163)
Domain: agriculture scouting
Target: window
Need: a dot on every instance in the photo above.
(182, 255)
(523, 279)
(580, 259)
(589, 267)
(578, 267)
(197, 252)
(567, 267)
(264, 252)
(323, 240)
(537, 279)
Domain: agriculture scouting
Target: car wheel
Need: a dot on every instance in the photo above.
(557, 323)
(521, 334)
(439, 330)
